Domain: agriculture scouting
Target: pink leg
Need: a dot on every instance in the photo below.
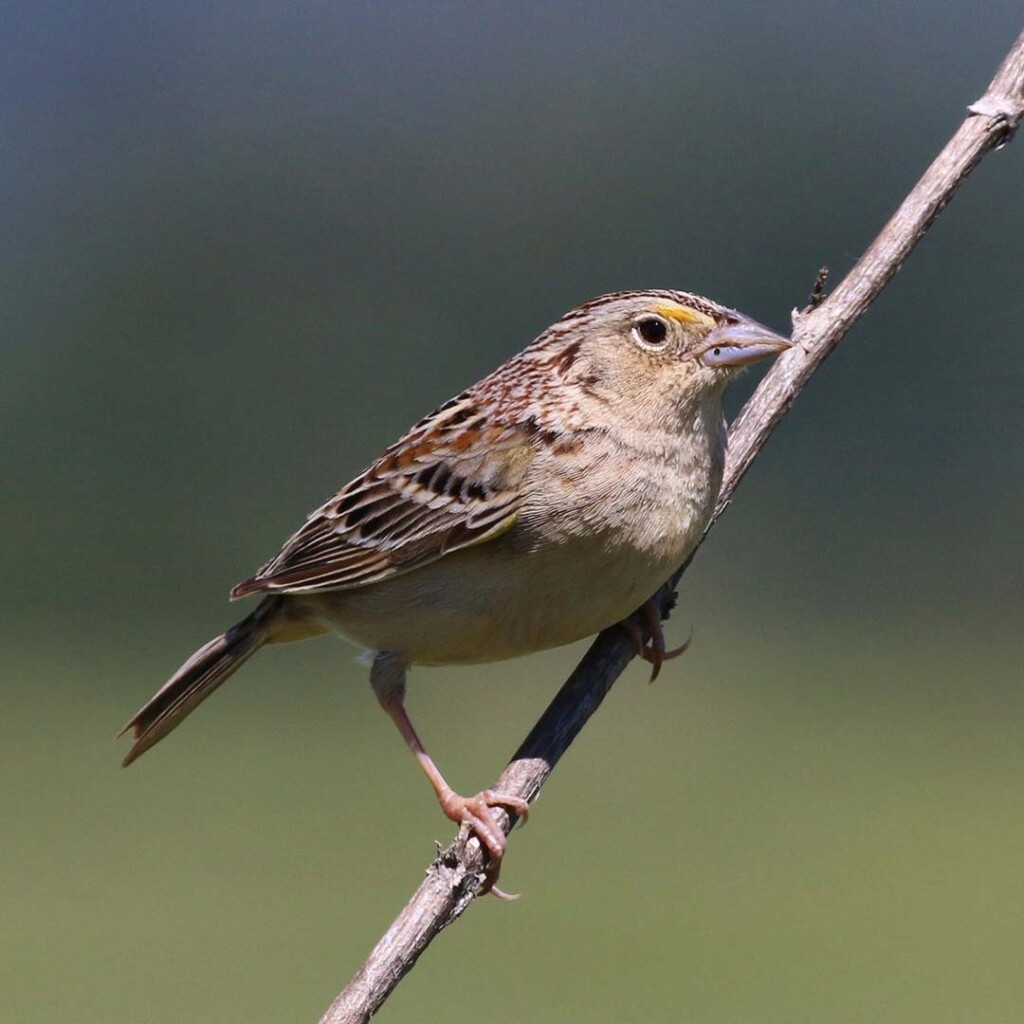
(475, 811)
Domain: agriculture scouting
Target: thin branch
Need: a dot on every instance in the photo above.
(453, 879)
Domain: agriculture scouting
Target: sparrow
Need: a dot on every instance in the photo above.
(541, 505)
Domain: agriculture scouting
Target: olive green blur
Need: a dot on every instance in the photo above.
(243, 247)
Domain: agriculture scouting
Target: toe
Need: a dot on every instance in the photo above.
(517, 805)
(676, 651)
(481, 821)
(636, 635)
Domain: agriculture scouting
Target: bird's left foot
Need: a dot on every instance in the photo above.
(476, 812)
(652, 651)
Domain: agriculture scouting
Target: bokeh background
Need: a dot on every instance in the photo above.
(243, 246)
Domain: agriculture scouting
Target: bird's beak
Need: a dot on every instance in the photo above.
(741, 343)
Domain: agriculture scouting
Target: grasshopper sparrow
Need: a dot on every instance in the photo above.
(539, 506)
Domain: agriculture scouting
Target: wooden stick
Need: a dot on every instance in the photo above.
(455, 876)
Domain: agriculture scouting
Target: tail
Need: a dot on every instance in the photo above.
(199, 677)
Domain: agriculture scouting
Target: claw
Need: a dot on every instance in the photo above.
(653, 652)
(508, 897)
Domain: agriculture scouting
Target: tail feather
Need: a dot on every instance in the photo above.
(210, 666)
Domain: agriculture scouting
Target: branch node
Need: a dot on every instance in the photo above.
(1004, 116)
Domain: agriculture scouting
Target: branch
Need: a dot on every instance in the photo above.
(455, 876)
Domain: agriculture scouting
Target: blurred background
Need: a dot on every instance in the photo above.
(243, 247)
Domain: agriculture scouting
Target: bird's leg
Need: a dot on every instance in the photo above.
(388, 679)
(653, 652)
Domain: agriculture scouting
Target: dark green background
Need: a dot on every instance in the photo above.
(245, 245)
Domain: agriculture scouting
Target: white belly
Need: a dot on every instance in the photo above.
(473, 607)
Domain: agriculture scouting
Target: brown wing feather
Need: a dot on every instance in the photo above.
(452, 481)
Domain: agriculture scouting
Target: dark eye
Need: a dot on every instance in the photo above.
(651, 330)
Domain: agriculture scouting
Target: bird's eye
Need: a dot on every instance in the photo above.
(651, 330)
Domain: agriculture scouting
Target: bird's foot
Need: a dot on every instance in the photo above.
(476, 812)
(652, 651)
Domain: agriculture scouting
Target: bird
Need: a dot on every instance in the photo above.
(543, 504)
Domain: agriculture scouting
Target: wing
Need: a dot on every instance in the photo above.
(452, 481)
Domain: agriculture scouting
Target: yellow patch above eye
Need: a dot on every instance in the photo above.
(684, 315)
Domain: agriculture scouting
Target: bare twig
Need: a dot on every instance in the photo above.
(455, 876)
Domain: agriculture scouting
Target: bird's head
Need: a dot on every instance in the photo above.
(657, 352)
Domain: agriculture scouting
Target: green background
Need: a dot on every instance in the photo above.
(243, 247)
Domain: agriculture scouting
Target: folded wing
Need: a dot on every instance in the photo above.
(454, 480)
